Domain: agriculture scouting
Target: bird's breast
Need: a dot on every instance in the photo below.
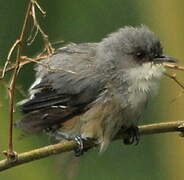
(142, 83)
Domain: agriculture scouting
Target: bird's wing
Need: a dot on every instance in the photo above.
(63, 89)
(61, 92)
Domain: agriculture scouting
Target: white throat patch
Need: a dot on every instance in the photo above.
(145, 77)
(143, 82)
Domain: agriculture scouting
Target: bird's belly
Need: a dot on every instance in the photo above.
(103, 120)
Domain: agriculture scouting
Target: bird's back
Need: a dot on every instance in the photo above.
(66, 83)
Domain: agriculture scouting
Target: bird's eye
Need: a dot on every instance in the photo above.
(140, 55)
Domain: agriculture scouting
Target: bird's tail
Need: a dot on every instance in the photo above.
(47, 118)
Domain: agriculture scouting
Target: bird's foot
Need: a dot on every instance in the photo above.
(79, 150)
(133, 136)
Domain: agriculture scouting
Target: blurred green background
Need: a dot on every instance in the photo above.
(157, 157)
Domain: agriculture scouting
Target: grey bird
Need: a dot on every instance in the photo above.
(92, 90)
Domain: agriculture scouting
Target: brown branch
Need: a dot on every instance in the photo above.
(65, 146)
(8, 58)
(22, 63)
(173, 66)
(18, 45)
(11, 88)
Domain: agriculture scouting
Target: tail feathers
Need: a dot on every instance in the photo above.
(37, 121)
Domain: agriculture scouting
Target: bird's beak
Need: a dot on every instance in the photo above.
(164, 58)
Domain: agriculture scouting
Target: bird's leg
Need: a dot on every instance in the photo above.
(133, 136)
(77, 138)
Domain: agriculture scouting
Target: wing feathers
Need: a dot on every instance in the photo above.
(55, 89)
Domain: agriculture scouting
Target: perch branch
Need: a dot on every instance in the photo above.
(65, 146)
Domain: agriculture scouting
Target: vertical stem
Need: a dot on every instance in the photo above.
(10, 152)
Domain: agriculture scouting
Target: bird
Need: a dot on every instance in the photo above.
(92, 90)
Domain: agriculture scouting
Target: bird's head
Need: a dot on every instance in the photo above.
(131, 46)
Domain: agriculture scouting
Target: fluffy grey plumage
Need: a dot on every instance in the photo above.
(94, 89)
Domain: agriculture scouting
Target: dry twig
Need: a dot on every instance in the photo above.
(18, 46)
(11, 89)
(65, 146)
(173, 77)
(174, 66)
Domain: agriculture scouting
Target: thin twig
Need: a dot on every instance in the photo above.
(22, 63)
(47, 44)
(173, 66)
(40, 8)
(30, 12)
(173, 77)
(49, 68)
(65, 146)
(8, 58)
(18, 44)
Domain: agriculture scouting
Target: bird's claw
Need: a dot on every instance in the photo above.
(79, 150)
(133, 136)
